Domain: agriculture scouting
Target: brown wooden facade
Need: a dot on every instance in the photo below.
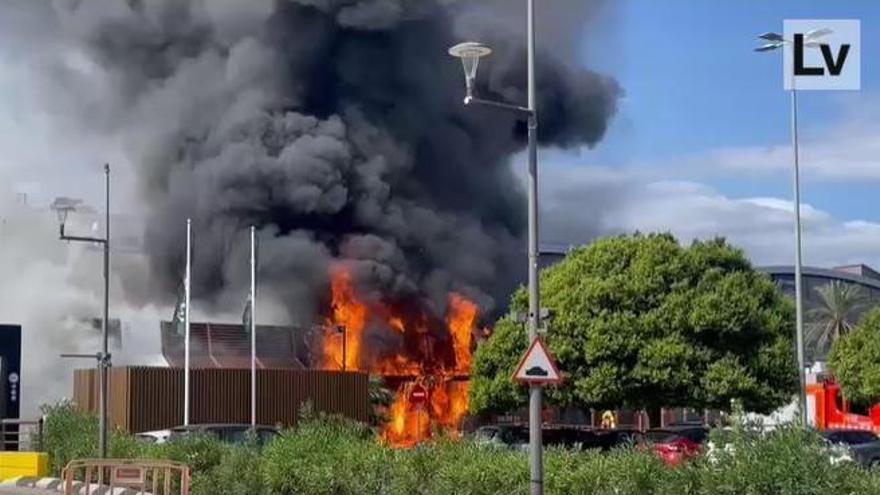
(151, 398)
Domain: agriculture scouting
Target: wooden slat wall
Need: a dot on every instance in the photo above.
(86, 395)
(151, 398)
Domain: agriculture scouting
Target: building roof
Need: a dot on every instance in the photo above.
(222, 345)
(843, 273)
(860, 270)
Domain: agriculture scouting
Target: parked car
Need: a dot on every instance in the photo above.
(572, 438)
(509, 436)
(157, 436)
(620, 438)
(517, 437)
(861, 446)
(676, 444)
(230, 433)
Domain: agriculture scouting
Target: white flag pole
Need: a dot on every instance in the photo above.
(186, 347)
(253, 322)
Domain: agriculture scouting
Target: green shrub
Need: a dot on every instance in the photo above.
(239, 473)
(200, 452)
(326, 455)
(68, 434)
(332, 456)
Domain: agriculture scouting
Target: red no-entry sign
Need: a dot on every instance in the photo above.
(418, 395)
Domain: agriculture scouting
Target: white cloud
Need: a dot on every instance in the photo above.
(846, 151)
(581, 202)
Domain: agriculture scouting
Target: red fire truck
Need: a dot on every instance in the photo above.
(828, 410)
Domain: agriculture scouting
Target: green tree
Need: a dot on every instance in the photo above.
(839, 308)
(641, 321)
(855, 360)
(380, 399)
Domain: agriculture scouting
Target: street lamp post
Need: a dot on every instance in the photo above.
(470, 54)
(775, 41)
(103, 357)
(340, 329)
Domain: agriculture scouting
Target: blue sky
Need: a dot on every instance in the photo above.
(701, 143)
(693, 84)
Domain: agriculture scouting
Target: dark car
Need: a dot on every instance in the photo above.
(512, 436)
(517, 437)
(620, 438)
(230, 433)
(571, 438)
(863, 445)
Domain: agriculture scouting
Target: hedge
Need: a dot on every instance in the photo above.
(334, 456)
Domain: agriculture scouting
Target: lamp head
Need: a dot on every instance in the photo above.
(63, 207)
(470, 53)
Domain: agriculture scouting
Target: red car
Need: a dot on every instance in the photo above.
(677, 444)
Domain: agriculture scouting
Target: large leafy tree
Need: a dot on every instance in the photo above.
(641, 321)
(836, 313)
(855, 360)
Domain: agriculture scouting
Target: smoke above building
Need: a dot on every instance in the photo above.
(334, 126)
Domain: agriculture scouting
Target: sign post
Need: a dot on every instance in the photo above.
(537, 369)
(417, 397)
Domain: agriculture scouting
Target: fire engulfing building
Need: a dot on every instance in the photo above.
(402, 341)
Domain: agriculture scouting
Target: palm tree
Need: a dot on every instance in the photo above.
(839, 309)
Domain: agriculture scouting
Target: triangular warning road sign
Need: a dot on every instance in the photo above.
(537, 367)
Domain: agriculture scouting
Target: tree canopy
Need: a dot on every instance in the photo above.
(855, 360)
(641, 321)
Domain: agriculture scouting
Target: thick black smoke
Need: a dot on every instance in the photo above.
(335, 126)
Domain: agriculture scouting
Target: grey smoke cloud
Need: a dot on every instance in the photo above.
(336, 127)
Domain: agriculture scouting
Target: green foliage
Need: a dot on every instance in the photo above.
(199, 452)
(380, 398)
(238, 473)
(308, 459)
(332, 456)
(787, 461)
(855, 360)
(644, 322)
(68, 434)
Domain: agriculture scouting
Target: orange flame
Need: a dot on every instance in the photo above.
(438, 363)
(349, 313)
(460, 319)
(444, 411)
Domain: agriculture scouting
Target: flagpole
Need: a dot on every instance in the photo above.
(186, 347)
(253, 328)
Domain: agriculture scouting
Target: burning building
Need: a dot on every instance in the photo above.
(386, 211)
(408, 346)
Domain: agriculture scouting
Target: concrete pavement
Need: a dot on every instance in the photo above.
(20, 490)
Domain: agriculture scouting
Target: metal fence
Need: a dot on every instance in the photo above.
(151, 398)
(100, 476)
(21, 435)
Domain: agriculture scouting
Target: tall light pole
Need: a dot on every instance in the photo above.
(470, 54)
(775, 41)
(341, 330)
(103, 357)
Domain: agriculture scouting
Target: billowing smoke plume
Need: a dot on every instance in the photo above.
(334, 126)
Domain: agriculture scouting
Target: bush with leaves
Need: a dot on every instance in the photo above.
(68, 434)
(332, 456)
(642, 321)
(855, 360)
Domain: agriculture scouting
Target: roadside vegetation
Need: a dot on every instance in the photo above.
(855, 360)
(333, 456)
